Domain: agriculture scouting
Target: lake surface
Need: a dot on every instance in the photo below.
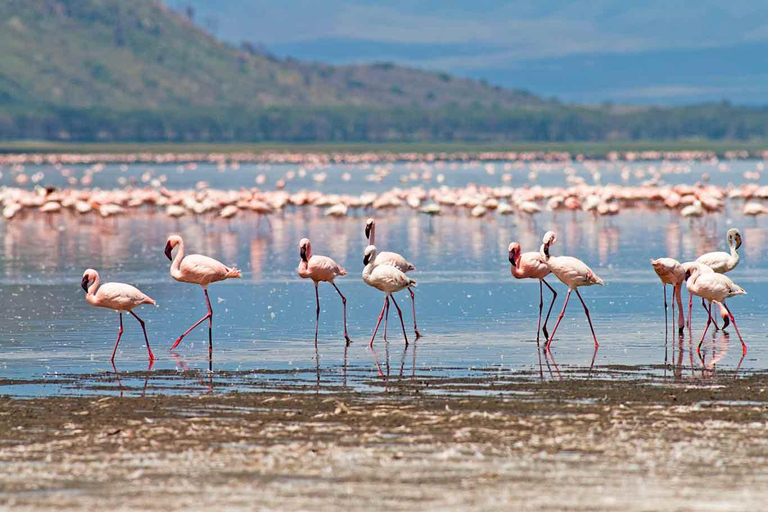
(476, 319)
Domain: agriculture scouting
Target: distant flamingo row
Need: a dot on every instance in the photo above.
(478, 201)
(386, 271)
(325, 158)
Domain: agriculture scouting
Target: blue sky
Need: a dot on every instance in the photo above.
(624, 51)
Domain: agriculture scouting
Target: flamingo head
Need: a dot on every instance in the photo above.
(691, 268)
(734, 238)
(514, 252)
(88, 276)
(369, 224)
(549, 239)
(370, 254)
(305, 248)
(172, 242)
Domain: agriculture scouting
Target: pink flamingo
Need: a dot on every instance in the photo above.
(197, 269)
(721, 263)
(670, 271)
(713, 287)
(531, 265)
(573, 273)
(321, 268)
(389, 280)
(394, 259)
(118, 296)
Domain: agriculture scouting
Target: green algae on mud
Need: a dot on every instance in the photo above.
(575, 444)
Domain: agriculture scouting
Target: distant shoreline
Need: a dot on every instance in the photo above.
(264, 151)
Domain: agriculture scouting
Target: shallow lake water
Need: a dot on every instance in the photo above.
(476, 319)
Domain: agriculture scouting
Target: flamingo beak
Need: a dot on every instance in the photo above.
(366, 259)
(84, 283)
(687, 274)
(367, 232)
(303, 252)
(512, 258)
(546, 248)
(168, 250)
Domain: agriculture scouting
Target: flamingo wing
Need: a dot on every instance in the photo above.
(325, 268)
(394, 260)
(573, 272)
(121, 296)
(389, 279)
(202, 270)
(717, 261)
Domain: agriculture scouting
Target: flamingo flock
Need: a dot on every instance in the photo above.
(474, 201)
(387, 272)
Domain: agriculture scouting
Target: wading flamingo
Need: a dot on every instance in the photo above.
(387, 278)
(395, 260)
(321, 268)
(670, 271)
(197, 269)
(713, 287)
(573, 273)
(118, 296)
(721, 262)
(531, 265)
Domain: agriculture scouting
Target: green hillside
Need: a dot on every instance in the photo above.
(140, 54)
(135, 70)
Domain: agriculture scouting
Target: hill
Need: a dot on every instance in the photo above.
(116, 70)
(141, 54)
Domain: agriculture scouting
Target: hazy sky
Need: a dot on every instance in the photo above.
(638, 51)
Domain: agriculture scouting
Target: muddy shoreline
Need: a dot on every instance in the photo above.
(575, 444)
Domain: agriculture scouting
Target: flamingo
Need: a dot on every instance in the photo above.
(670, 271)
(118, 296)
(531, 265)
(197, 269)
(573, 273)
(387, 278)
(321, 268)
(713, 287)
(721, 263)
(395, 260)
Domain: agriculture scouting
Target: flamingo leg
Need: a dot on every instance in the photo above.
(549, 311)
(724, 314)
(559, 319)
(344, 303)
(541, 307)
(208, 316)
(733, 321)
(401, 319)
(210, 325)
(709, 312)
(386, 320)
(381, 315)
(586, 311)
(709, 321)
(146, 339)
(119, 334)
(413, 303)
(317, 311)
(664, 289)
(678, 296)
(690, 306)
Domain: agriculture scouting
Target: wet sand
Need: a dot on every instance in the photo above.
(576, 444)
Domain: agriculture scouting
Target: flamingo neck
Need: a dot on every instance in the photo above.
(544, 252)
(91, 295)
(372, 238)
(176, 265)
(734, 254)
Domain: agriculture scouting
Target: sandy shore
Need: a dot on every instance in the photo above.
(568, 445)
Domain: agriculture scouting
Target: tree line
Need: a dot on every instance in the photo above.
(720, 121)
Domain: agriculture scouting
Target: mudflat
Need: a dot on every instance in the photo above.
(572, 444)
